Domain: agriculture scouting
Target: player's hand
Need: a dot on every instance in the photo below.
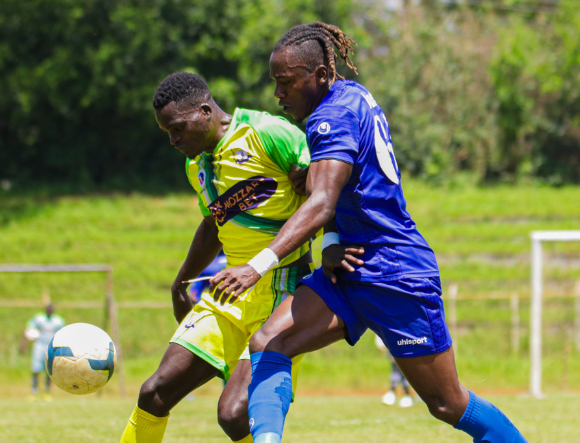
(297, 177)
(181, 300)
(230, 283)
(179, 290)
(337, 256)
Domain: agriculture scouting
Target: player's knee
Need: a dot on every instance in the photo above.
(233, 418)
(149, 399)
(446, 411)
(259, 341)
(148, 391)
(264, 341)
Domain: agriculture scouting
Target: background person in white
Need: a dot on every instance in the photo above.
(397, 378)
(40, 330)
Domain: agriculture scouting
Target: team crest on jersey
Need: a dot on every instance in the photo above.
(324, 128)
(241, 156)
(201, 177)
(244, 195)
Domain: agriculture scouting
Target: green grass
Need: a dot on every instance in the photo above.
(480, 236)
(311, 419)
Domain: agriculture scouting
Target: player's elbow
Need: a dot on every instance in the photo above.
(327, 213)
(324, 210)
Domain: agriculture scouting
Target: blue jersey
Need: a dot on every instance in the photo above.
(349, 126)
(199, 287)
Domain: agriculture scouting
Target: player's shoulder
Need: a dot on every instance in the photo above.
(39, 316)
(283, 142)
(345, 94)
(346, 99)
(262, 121)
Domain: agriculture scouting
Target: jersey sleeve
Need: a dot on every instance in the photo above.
(334, 134)
(204, 211)
(285, 144)
(33, 323)
(61, 323)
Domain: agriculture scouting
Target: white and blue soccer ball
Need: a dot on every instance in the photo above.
(81, 358)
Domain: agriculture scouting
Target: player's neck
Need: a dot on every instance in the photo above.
(321, 95)
(223, 122)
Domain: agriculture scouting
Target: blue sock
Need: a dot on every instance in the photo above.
(270, 394)
(487, 424)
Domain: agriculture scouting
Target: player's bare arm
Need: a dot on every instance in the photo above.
(324, 184)
(205, 246)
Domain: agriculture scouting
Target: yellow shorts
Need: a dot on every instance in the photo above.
(220, 334)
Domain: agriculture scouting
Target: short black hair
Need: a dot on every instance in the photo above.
(181, 88)
(317, 41)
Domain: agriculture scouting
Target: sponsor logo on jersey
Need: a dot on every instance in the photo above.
(417, 341)
(324, 128)
(241, 156)
(244, 195)
(201, 177)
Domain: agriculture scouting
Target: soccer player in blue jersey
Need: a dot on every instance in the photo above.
(377, 271)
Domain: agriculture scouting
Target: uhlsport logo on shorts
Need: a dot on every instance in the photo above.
(417, 341)
(324, 128)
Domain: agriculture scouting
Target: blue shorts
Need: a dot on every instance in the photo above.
(407, 314)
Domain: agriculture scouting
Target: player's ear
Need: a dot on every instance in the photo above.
(321, 74)
(206, 110)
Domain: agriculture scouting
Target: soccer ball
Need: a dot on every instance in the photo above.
(81, 358)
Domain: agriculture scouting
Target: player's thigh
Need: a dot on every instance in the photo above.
(302, 323)
(434, 378)
(213, 337)
(37, 358)
(179, 373)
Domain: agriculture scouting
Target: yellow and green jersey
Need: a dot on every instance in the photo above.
(244, 183)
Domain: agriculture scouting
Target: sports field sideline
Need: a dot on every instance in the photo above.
(311, 419)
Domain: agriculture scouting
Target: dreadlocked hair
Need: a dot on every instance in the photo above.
(181, 88)
(317, 41)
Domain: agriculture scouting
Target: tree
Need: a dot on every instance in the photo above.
(78, 79)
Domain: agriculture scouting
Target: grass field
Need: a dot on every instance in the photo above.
(333, 419)
(480, 235)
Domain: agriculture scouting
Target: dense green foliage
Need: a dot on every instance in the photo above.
(464, 89)
(536, 76)
(78, 79)
(470, 90)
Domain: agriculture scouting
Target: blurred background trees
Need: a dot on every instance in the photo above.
(487, 92)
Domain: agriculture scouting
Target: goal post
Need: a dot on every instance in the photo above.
(536, 304)
(110, 320)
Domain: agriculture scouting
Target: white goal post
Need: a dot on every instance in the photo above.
(536, 304)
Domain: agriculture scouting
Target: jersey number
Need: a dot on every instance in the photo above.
(384, 148)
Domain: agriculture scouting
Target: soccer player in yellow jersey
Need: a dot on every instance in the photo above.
(240, 165)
